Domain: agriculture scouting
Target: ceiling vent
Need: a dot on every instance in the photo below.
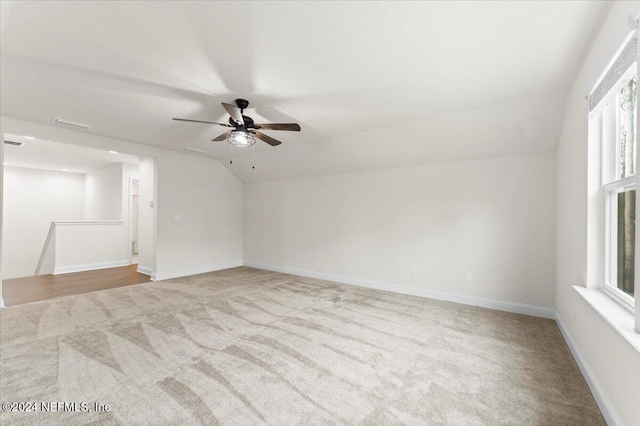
(199, 151)
(14, 143)
(71, 123)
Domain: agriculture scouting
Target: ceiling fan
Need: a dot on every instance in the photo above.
(245, 131)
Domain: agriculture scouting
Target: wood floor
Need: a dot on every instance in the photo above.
(42, 287)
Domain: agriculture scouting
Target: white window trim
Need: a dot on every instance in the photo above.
(610, 170)
(603, 302)
(620, 296)
(610, 190)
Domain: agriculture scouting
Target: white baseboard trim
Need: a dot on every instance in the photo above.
(144, 270)
(195, 271)
(500, 305)
(1, 303)
(604, 403)
(90, 267)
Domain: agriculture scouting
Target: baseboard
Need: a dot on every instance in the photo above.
(1, 303)
(144, 270)
(89, 267)
(606, 407)
(500, 305)
(195, 271)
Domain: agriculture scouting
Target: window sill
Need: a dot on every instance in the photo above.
(617, 316)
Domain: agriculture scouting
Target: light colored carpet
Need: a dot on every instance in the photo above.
(243, 346)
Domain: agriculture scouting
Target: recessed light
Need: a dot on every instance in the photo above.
(29, 137)
(113, 152)
(65, 170)
(199, 151)
(72, 123)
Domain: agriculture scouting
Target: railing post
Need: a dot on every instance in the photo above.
(44, 249)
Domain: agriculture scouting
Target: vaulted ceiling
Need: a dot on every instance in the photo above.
(373, 84)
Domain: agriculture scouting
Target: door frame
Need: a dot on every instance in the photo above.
(130, 217)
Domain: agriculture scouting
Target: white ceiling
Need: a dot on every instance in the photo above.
(47, 155)
(338, 68)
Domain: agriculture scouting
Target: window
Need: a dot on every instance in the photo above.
(618, 111)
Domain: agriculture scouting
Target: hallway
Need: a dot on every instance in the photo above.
(43, 287)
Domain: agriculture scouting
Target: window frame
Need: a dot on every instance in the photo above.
(612, 185)
(611, 190)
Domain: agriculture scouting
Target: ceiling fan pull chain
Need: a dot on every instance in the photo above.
(231, 155)
(253, 155)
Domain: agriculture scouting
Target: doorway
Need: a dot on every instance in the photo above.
(134, 218)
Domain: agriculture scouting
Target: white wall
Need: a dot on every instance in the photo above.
(104, 193)
(494, 218)
(615, 363)
(208, 199)
(32, 200)
(85, 246)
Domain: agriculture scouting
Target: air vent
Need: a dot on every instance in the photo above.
(71, 123)
(14, 143)
(199, 151)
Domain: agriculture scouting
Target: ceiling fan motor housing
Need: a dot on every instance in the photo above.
(242, 103)
(248, 122)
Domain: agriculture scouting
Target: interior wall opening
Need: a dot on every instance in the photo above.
(70, 219)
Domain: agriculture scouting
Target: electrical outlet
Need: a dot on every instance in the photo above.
(413, 270)
(177, 218)
(469, 276)
(303, 257)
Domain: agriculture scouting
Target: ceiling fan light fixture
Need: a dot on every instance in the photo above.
(241, 139)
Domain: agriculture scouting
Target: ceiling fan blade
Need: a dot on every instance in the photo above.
(222, 136)
(268, 139)
(234, 112)
(293, 127)
(200, 121)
